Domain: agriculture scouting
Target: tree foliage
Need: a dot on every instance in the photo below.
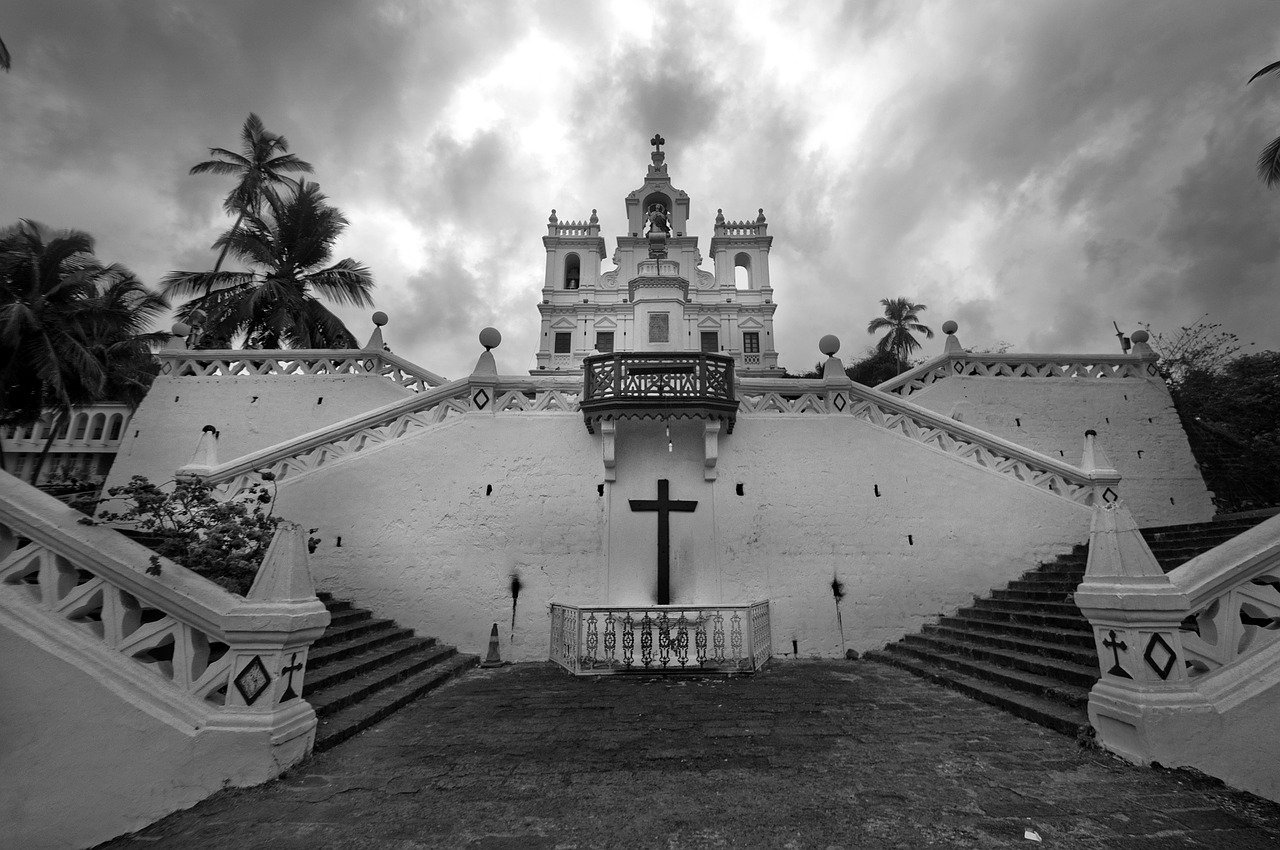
(901, 321)
(1269, 158)
(222, 541)
(875, 368)
(288, 248)
(72, 330)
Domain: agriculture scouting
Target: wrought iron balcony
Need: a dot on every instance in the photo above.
(596, 640)
(651, 385)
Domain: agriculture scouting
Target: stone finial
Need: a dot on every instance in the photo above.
(285, 574)
(1117, 550)
(551, 219)
(205, 457)
(486, 366)
(375, 342)
(719, 216)
(949, 328)
(833, 368)
(1093, 460)
(181, 333)
(595, 219)
(1141, 348)
(760, 218)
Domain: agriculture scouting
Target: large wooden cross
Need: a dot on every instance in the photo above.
(664, 506)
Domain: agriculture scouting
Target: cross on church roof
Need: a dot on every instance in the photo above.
(657, 141)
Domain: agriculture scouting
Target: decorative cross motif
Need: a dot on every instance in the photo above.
(294, 665)
(1115, 646)
(657, 141)
(664, 506)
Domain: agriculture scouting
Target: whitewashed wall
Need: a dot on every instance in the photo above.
(1137, 427)
(425, 539)
(250, 412)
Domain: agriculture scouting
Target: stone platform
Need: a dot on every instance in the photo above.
(808, 754)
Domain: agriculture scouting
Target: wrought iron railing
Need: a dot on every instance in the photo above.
(658, 384)
(594, 640)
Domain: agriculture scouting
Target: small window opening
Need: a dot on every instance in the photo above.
(711, 341)
(751, 342)
(564, 343)
(742, 271)
(604, 342)
(572, 271)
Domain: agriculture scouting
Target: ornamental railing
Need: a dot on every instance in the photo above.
(184, 645)
(965, 364)
(592, 640)
(651, 385)
(324, 361)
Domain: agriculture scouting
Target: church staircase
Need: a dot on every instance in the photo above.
(1026, 648)
(362, 669)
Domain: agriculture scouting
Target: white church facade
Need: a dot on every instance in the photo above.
(657, 303)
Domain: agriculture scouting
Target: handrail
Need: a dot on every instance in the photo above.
(965, 363)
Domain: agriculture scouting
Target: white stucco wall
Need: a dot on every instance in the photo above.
(81, 763)
(250, 412)
(1137, 427)
(424, 541)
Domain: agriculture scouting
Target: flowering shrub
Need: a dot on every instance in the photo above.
(222, 541)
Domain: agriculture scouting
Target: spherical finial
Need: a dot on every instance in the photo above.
(1140, 336)
(181, 329)
(949, 327)
(379, 318)
(829, 345)
(490, 338)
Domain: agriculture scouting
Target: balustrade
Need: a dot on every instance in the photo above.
(595, 640)
(965, 364)
(300, 362)
(651, 384)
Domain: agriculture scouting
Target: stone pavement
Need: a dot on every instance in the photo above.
(808, 754)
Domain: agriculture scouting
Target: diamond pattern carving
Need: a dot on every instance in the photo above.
(1158, 648)
(252, 680)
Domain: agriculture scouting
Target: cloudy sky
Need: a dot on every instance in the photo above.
(1033, 170)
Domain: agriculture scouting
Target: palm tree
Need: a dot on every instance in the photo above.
(71, 329)
(1269, 159)
(259, 167)
(287, 247)
(900, 319)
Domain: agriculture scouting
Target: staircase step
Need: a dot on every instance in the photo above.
(1066, 672)
(1082, 655)
(361, 643)
(1041, 687)
(1044, 585)
(342, 694)
(975, 623)
(347, 616)
(1022, 617)
(1034, 596)
(342, 633)
(1065, 610)
(340, 725)
(348, 668)
(1068, 720)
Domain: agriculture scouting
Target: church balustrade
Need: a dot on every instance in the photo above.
(200, 364)
(964, 364)
(592, 640)
(654, 385)
(163, 634)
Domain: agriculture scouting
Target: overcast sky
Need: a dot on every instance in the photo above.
(1033, 170)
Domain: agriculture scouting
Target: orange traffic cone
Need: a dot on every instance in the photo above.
(493, 659)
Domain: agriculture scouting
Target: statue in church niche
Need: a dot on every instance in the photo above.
(659, 230)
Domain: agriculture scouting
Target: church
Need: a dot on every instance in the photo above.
(654, 496)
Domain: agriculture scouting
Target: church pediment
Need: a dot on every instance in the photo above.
(750, 323)
(709, 324)
(605, 323)
(564, 323)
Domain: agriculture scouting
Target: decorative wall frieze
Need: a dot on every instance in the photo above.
(207, 364)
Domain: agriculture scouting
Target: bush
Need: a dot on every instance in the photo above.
(222, 541)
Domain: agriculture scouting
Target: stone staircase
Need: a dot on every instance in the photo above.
(362, 669)
(1027, 648)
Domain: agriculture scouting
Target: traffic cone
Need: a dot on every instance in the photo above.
(493, 659)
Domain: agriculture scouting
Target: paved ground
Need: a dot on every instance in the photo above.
(831, 754)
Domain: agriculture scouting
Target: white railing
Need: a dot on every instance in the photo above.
(214, 363)
(884, 410)
(186, 645)
(965, 364)
(391, 423)
(599, 639)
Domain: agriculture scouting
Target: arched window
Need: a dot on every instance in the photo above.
(82, 423)
(97, 425)
(742, 271)
(572, 271)
(117, 423)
